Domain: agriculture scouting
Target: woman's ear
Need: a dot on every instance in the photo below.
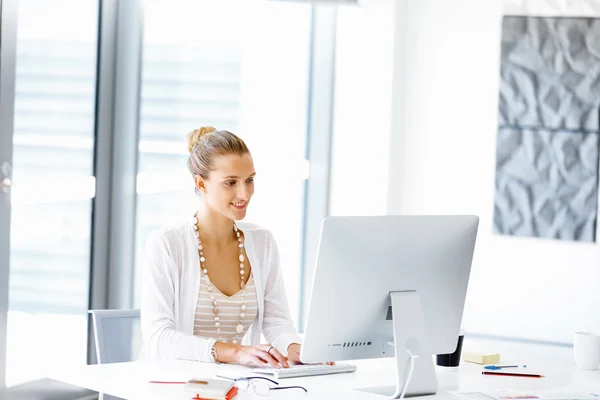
(200, 184)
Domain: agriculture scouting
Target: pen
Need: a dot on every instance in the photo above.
(511, 374)
(169, 382)
(495, 367)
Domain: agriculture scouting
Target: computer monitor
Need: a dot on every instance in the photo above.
(390, 286)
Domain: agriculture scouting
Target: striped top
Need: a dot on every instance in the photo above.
(229, 311)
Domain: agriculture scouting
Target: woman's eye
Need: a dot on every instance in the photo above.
(251, 180)
(230, 183)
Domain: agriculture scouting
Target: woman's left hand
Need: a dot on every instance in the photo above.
(294, 354)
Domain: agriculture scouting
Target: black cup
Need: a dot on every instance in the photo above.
(451, 359)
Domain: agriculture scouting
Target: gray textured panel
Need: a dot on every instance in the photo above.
(546, 184)
(550, 73)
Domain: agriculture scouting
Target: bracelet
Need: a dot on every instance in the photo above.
(213, 353)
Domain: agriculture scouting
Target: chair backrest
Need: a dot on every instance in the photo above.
(117, 335)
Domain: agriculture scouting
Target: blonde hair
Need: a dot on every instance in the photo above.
(206, 143)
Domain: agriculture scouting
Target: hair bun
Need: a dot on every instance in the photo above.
(195, 135)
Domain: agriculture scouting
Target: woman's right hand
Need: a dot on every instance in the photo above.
(261, 355)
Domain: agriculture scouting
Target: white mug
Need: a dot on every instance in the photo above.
(586, 348)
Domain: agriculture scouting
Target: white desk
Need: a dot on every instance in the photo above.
(130, 380)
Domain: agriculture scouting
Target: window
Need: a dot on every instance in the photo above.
(240, 65)
(53, 184)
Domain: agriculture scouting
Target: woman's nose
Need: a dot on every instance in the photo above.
(242, 192)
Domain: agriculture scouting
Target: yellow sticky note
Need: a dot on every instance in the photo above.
(481, 358)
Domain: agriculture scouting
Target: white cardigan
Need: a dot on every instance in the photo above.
(170, 286)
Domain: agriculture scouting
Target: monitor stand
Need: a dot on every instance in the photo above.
(409, 334)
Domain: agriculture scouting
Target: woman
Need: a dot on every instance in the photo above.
(212, 286)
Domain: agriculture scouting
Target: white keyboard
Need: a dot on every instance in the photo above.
(305, 370)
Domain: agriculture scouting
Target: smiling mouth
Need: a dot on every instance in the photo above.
(239, 205)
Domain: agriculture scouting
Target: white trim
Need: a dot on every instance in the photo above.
(554, 8)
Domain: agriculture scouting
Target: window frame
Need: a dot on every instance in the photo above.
(8, 53)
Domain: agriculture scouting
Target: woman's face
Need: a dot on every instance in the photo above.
(230, 185)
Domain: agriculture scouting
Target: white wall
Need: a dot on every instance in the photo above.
(442, 160)
(362, 108)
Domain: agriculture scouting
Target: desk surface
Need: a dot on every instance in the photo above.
(130, 380)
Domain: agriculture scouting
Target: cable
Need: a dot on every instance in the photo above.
(410, 372)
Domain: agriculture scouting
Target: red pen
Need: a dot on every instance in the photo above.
(512, 374)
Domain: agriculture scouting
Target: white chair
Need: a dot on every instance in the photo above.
(117, 335)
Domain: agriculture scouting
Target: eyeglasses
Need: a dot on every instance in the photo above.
(259, 384)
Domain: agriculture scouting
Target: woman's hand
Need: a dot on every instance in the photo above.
(294, 354)
(261, 355)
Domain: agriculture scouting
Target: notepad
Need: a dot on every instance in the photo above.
(217, 389)
(481, 358)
